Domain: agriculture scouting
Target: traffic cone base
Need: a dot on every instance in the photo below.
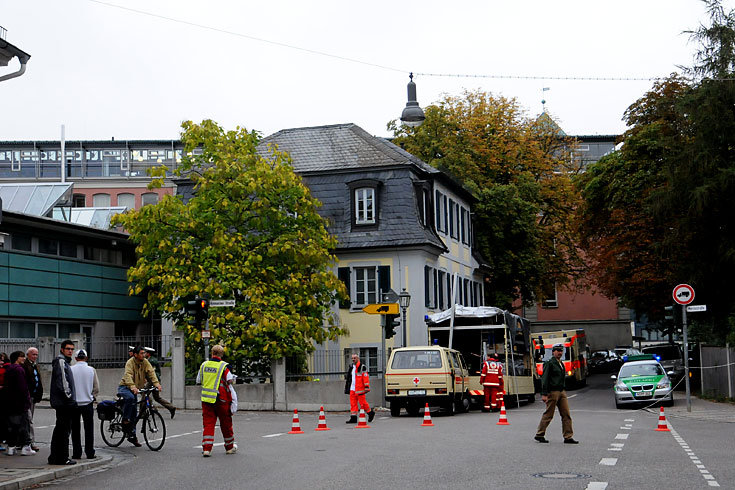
(362, 421)
(295, 425)
(662, 425)
(322, 420)
(427, 418)
(503, 420)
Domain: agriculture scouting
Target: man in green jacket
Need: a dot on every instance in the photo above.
(553, 394)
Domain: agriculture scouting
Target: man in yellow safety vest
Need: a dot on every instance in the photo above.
(217, 401)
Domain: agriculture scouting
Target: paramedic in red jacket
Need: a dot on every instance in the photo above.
(357, 385)
(491, 379)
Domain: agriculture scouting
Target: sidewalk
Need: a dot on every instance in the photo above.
(701, 409)
(24, 471)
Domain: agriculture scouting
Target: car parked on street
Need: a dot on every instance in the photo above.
(641, 382)
(604, 361)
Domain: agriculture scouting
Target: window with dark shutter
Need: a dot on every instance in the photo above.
(383, 279)
(441, 284)
(343, 273)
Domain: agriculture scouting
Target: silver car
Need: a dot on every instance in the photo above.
(642, 382)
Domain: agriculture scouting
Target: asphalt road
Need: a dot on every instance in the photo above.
(618, 449)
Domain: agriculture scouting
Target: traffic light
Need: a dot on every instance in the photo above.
(197, 310)
(669, 313)
(390, 322)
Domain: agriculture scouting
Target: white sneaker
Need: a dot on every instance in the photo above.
(232, 451)
(27, 451)
(10, 451)
(206, 454)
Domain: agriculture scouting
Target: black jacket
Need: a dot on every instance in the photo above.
(62, 384)
(32, 373)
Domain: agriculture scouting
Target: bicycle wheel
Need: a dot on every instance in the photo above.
(154, 430)
(112, 431)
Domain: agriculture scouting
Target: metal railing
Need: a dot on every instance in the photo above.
(320, 365)
(103, 352)
(3, 33)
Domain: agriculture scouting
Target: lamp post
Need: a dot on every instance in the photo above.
(404, 299)
(412, 115)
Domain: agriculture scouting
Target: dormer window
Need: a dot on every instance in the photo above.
(364, 198)
(365, 206)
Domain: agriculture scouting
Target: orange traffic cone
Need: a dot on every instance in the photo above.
(503, 420)
(361, 421)
(295, 426)
(322, 420)
(427, 418)
(662, 425)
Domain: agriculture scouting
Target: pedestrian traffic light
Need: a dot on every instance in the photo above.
(390, 322)
(197, 310)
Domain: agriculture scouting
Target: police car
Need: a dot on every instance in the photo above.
(642, 380)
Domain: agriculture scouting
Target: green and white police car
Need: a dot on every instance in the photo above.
(642, 380)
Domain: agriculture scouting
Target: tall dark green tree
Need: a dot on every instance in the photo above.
(660, 211)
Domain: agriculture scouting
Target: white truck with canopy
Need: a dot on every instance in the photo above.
(478, 331)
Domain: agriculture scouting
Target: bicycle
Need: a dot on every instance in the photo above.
(111, 424)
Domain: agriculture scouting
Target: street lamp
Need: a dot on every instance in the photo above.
(412, 115)
(404, 299)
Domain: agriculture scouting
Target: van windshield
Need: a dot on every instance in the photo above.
(416, 359)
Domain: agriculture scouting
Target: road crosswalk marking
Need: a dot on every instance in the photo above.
(609, 461)
(597, 485)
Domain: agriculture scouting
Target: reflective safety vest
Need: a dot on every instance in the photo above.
(492, 374)
(211, 375)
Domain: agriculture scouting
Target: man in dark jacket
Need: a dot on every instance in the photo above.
(17, 403)
(553, 394)
(35, 388)
(62, 400)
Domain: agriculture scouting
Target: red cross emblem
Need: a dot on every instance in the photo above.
(416, 380)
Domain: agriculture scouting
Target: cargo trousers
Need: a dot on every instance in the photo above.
(556, 399)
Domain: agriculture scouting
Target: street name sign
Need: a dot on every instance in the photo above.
(683, 294)
(695, 308)
(381, 309)
(221, 303)
(205, 334)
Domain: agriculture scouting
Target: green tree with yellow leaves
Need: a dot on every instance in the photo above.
(520, 169)
(250, 232)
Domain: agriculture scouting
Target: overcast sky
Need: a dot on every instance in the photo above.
(108, 72)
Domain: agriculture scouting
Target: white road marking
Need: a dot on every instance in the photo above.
(709, 478)
(617, 444)
(609, 461)
(614, 449)
(630, 420)
(216, 444)
(622, 436)
(184, 434)
(274, 435)
(626, 428)
(597, 485)
(572, 396)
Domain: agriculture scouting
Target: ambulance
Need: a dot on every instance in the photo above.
(575, 355)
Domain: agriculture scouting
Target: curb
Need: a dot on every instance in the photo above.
(44, 475)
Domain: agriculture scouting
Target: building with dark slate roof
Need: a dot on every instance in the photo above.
(400, 224)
